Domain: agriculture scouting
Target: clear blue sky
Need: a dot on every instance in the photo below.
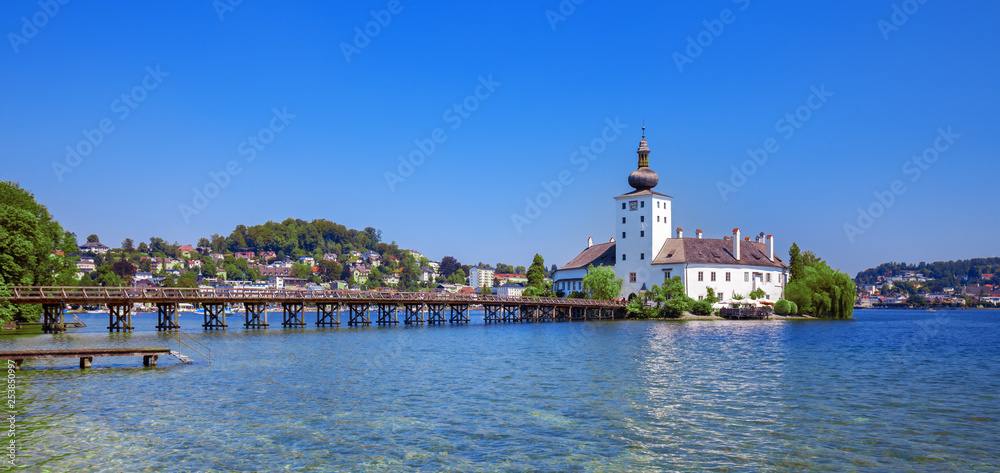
(893, 85)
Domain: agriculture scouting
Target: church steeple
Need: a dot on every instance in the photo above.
(643, 178)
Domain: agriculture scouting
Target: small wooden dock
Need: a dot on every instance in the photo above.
(86, 355)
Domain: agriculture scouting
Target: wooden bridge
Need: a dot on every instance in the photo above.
(415, 307)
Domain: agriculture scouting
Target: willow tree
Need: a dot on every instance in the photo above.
(34, 249)
(817, 289)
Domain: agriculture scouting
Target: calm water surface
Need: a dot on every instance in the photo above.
(888, 391)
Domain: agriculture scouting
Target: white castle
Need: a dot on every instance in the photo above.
(643, 252)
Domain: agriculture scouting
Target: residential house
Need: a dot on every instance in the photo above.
(309, 260)
(509, 278)
(427, 274)
(329, 257)
(186, 250)
(511, 290)
(245, 253)
(95, 247)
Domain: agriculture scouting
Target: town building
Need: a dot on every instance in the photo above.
(643, 251)
(481, 276)
(95, 247)
(511, 290)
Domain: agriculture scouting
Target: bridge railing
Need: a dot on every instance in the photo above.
(43, 294)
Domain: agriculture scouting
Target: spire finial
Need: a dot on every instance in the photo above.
(644, 128)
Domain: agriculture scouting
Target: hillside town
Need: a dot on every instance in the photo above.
(915, 289)
(158, 264)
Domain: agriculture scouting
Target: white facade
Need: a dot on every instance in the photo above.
(510, 290)
(642, 224)
(728, 280)
(481, 276)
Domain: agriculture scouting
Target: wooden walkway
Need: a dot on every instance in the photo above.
(86, 355)
(387, 307)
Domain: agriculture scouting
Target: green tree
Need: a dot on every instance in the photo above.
(92, 238)
(537, 286)
(602, 283)
(782, 307)
(757, 294)
(449, 265)
(486, 291)
(128, 245)
(143, 247)
(819, 290)
(123, 269)
(711, 296)
(458, 277)
(34, 249)
(667, 300)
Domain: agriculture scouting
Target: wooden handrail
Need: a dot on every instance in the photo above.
(43, 294)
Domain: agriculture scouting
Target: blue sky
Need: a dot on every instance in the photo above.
(332, 113)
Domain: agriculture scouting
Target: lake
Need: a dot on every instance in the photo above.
(890, 390)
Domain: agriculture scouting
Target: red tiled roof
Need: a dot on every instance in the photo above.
(714, 251)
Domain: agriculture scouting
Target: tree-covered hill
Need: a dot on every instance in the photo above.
(947, 273)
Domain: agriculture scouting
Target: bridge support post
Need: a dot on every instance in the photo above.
(149, 360)
(546, 313)
(414, 314)
(492, 313)
(215, 315)
(561, 314)
(529, 313)
(166, 316)
(459, 314)
(386, 314)
(292, 314)
(256, 315)
(435, 313)
(327, 314)
(510, 314)
(358, 314)
(120, 315)
(52, 318)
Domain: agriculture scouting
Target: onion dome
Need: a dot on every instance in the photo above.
(643, 178)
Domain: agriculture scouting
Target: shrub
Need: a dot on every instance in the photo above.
(701, 308)
(794, 310)
(782, 307)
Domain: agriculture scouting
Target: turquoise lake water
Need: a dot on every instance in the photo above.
(888, 391)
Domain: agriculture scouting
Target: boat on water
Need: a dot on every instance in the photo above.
(185, 307)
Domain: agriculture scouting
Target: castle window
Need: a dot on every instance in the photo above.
(728, 278)
(701, 275)
(623, 205)
(642, 255)
(746, 276)
(623, 235)
(642, 204)
(623, 256)
(623, 219)
(657, 218)
(713, 275)
(642, 218)
(631, 277)
(667, 275)
(642, 233)
(768, 277)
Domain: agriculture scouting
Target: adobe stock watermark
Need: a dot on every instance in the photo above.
(787, 126)
(123, 107)
(900, 15)
(885, 199)
(581, 158)
(222, 7)
(562, 12)
(704, 39)
(456, 116)
(30, 27)
(217, 181)
(363, 35)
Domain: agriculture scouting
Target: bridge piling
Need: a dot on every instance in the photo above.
(435, 313)
(52, 318)
(166, 316)
(256, 315)
(414, 314)
(459, 314)
(292, 314)
(358, 314)
(215, 315)
(386, 314)
(327, 314)
(120, 315)
(492, 313)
